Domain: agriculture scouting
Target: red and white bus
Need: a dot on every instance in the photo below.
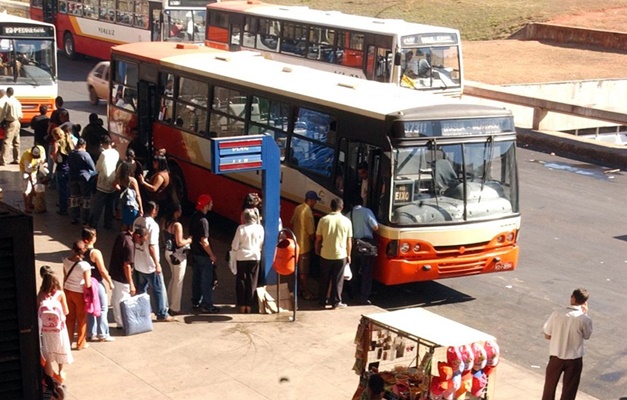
(28, 63)
(442, 173)
(417, 56)
(92, 27)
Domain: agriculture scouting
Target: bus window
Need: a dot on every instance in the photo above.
(313, 141)
(269, 117)
(90, 10)
(167, 98)
(294, 40)
(250, 32)
(321, 42)
(228, 110)
(350, 49)
(141, 14)
(268, 35)
(191, 105)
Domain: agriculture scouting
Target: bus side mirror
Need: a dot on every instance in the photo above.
(397, 59)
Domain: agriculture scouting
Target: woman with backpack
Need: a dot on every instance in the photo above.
(97, 326)
(130, 196)
(76, 275)
(55, 343)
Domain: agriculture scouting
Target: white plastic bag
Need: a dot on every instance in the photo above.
(233, 261)
(348, 274)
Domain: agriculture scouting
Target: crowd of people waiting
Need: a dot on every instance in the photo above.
(90, 177)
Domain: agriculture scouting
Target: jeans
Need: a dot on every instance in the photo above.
(106, 201)
(155, 281)
(202, 281)
(63, 189)
(99, 326)
(80, 199)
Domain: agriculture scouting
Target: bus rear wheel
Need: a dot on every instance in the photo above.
(68, 46)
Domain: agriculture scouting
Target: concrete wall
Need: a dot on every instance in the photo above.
(607, 94)
(569, 34)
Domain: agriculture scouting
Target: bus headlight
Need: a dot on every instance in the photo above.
(404, 248)
(510, 236)
(416, 248)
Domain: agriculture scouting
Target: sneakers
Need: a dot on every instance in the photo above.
(93, 339)
(107, 339)
(339, 305)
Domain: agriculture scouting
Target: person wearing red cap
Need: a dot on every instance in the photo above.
(567, 329)
(203, 258)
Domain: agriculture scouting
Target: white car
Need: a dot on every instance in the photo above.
(98, 82)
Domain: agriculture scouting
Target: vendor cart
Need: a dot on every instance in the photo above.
(414, 350)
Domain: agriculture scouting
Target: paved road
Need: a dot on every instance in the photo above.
(573, 235)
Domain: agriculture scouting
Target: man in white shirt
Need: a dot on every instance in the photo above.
(567, 329)
(105, 191)
(148, 270)
(11, 113)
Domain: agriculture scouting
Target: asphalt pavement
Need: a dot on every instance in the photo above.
(227, 355)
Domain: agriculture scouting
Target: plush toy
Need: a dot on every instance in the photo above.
(468, 357)
(466, 385)
(454, 359)
(492, 356)
(479, 382)
(480, 357)
(442, 383)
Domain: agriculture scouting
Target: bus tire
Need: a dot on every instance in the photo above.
(68, 46)
(177, 180)
(93, 96)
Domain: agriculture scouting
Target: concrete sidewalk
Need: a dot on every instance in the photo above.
(229, 355)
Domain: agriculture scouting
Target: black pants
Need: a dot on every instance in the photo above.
(246, 282)
(361, 284)
(331, 272)
(572, 375)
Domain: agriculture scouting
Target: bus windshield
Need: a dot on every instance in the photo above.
(27, 61)
(184, 25)
(431, 67)
(454, 183)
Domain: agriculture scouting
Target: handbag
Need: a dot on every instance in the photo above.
(365, 248)
(232, 258)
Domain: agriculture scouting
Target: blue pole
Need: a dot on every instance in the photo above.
(271, 192)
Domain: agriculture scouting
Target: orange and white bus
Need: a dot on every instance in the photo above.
(442, 172)
(417, 56)
(92, 27)
(28, 63)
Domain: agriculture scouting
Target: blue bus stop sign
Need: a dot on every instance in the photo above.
(255, 153)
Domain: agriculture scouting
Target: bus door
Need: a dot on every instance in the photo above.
(155, 11)
(378, 63)
(49, 11)
(147, 111)
(362, 177)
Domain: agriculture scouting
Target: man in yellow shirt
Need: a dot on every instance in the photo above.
(31, 161)
(304, 227)
(333, 244)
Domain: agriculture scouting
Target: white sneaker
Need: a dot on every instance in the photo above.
(107, 339)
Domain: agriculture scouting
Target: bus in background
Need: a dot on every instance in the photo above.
(28, 63)
(442, 174)
(92, 27)
(416, 56)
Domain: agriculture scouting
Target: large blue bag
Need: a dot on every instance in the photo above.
(136, 314)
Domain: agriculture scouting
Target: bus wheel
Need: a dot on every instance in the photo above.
(68, 46)
(93, 97)
(180, 188)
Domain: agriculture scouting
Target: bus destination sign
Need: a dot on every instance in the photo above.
(27, 31)
(241, 154)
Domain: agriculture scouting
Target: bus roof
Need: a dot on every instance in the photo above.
(334, 19)
(250, 69)
(13, 19)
